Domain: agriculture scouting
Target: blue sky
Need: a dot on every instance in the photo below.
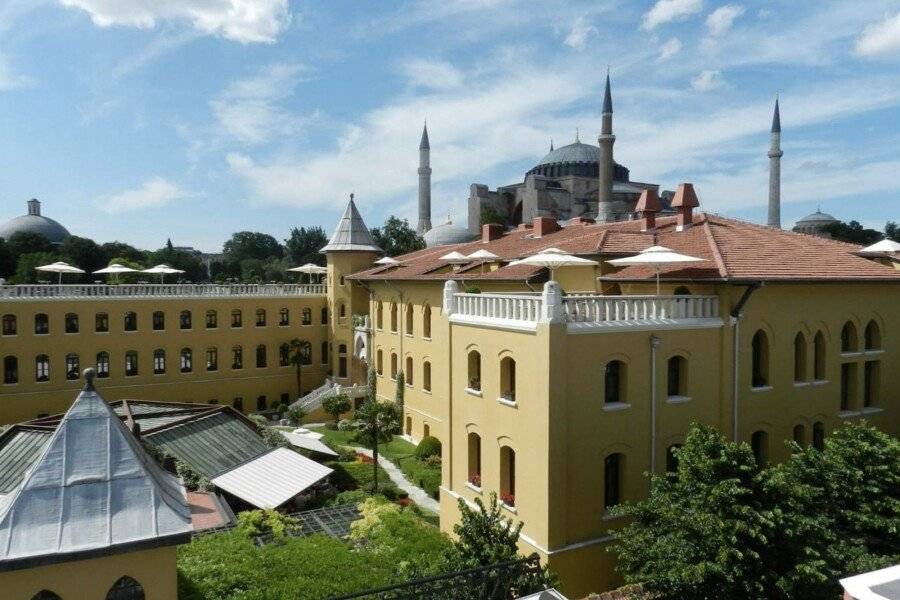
(139, 120)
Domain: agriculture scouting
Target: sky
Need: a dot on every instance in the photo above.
(142, 120)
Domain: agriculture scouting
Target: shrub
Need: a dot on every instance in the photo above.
(335, 406)
(433, 461)
(258, 522)
(429, 446)
(371, 512)
(345, 425)
(348, 497)
(296, 415)
(193, 480)
(473, 290)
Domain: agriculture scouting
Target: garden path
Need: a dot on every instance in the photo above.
(416, 493)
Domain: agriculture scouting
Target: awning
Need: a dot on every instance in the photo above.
(270, 480)
(308, 442)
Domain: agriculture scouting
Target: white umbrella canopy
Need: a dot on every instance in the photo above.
(483, 255)
(309, 269)
(60, 268)
(456, 257)
(885, 245)
(162, 270)
(656, 257)
(387, 260)
(554, 259)
(115, 269)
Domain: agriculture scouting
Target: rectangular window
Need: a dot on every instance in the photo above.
(42, 368)
(41, 324)
(260, 318)
(236, 318)
(130, 321)
(212, 319)
(212, 359)
(611, 484)
(103, 365)
(71, 367)
(159, 321)
(284, 317)
(237, 358)
(101, 322)
(131, 364)
(71, 323)
(9, 325)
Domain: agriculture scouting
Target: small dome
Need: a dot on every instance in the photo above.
(447, 233)
(817, 218)
(34, 222)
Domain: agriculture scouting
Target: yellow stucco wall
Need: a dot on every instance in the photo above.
(91, 579)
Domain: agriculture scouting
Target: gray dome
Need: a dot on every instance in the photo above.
(576, 152)
(33, 222)
(447, 233)
(817, 218)
(578, 159)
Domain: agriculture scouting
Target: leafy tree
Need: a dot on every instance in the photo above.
(399, 394)
(28, 242)
(7, 259)
(892, 231)
(852, 232)
(189, 262)
(304, 244)
(374, 424)
(372, 381)
(25, 268)
(490, 215)
(336, 405)
(83, 253)
(125, 277)
(396, 237)
(122, 251)
(245, 245)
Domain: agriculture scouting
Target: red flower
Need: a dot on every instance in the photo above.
(508, 499)
(475, 479)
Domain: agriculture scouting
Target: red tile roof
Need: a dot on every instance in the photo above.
(733, 250)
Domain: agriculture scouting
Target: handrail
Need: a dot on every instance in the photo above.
(512, 307)
(158, 290)
(600, 309)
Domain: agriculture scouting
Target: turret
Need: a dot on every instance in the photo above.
(424, 183)
(775, 155)
(605, 208)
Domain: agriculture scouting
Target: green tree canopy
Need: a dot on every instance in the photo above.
(25, 268)
(28, 242)
(853, 232)
(336, 405)
(7, 259)
(375, 423)
(245, 245)
(83, 253)
(189, 262)
(892, 231)
(121, 250)
(304, 244)
(396, 237)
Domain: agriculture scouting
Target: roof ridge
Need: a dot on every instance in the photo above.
(714, 248)
(789, 233)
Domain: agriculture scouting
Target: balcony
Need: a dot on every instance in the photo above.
(161, 290)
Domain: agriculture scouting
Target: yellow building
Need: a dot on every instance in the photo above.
(560, 395)
(179, 343)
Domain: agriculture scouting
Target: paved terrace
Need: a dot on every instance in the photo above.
(159, 290)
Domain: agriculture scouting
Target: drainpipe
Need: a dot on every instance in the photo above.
(654, 345)
(736, 314)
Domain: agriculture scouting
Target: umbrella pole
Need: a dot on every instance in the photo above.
(59, 282)
(657, 282)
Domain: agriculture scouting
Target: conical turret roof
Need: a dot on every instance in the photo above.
(351, 233)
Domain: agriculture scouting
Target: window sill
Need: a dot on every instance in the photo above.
(427, 339)
(819, 381)
(101, 332)
(873, 351)
(801, 383)
(761, 388)
(507, 402)
(473, 487)
(852, 354)
(607, 516)
(511, 509)
(678, 399)
(70, 333)
(409, 335)
(848, 414)
(616, 406)
(871, 410)
(424, 391)
(472, 392)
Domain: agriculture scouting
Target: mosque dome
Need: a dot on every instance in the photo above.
(34, 222)
(446, 233)
(575, 159)
(817, 218)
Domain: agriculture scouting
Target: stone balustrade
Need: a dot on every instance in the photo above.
(507, 307)
(159, 290)
(603, 309)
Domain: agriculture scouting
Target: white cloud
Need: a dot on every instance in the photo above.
(670, 10)
(431, 74)
(581, 32)
(880, 38)
(245, 21)
(154, 193)
(720, 21)
(248, 110)
(669, 49)
(707, 80)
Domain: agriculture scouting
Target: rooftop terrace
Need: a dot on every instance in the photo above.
(159, 290)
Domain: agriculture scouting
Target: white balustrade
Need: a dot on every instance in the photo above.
(508, 307)
(602, 309)
(158, 290)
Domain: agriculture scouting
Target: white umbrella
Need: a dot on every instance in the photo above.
(162, 270)
(553, 260)
(484, 256)
(884, 246)
(59, 267)
(656, 257)
(115, 269)
(387, 260)
(455, 257)
(309, 269)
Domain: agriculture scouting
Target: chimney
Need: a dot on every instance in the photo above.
(647, 206)
(491, 232)
(684, 202)
(544, 226)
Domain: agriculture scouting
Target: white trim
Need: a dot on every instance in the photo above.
(860, 586)
(761, 388)
(852, 354)
(616, 406)
(871, 410)
(505, 402)
(819, 381)
(473, 392)
(493, 323)
(848, 414)
(873, 352)
(644, 325)
(801, 383)
(511, 509)
(678, 399)
(419, 412)
(472, 487)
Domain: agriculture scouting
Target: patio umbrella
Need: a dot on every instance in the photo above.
(882, 247)
(484, 256)
(387, 260)
(162, 270)
(657, 258)
(115, 269)
(59, 267)
(310, 269)
(456, 258)
(553, 258)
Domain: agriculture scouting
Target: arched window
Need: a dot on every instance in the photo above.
(41, 324)
(72, 366)
(819, 357)
(800, 435)
(187, 360)
(101, 322)
(426, 376)
(260, 317)
(393, 317)
(508, 378)
(130, 321)
(409, 319)
(508, 476)
(158, 320)
(871, 382)
(849, 342)
(238, 404)
(71, 323)
(284, 355)
(872, 336)
(284, 317)
(307, 316)
(676, 384)
(379, 315)
(159, 361)
(759, 442)
(131, 363)
(474, 459)
(42, 367)
(760, 359)
(324, 315)
(212, 319)
(409, 370)
(9, 324)
(324, 353)
(102, 364)
(126, 588)
(379, 362)
(612, 480)
(237, 357)
(614, 382)
(236, 318)
(10, 370)
(260, 356)
(426, 321)
(184, 319)
(426, 430)
(474, 373)
(260, 403)
(342, 360)
(682, 290)
(46, 595)
(818, 439)
(212, 359)
(848, 385)
(672, 458)
(393, 365)
(305, 353)
(799, 357)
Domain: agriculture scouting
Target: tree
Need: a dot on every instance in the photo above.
(396, 237)
(28, 242)
(83, 253)
(336, 405)
(374, 424)
(304, 244)
(125, 277)
(189, 262)
(892, 231)
(25, 268)
(490, 215)
(245, 245)
(7, 259)
(399, 394)
(121, 250)
(852, 232)
(300, 352)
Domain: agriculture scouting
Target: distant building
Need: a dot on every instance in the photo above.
(815, 224)
(34, 222)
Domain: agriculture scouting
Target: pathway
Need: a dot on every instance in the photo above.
(416, 493)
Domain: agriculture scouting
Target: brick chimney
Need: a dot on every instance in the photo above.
(684, 202)
(544, 226)
(490, 232)
(647, 206)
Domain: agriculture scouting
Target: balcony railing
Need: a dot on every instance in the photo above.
(604, 309)
(159, 290)
(506, 307)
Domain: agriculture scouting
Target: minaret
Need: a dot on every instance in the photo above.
(424, 183)
(605, 208)
(775, 155)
